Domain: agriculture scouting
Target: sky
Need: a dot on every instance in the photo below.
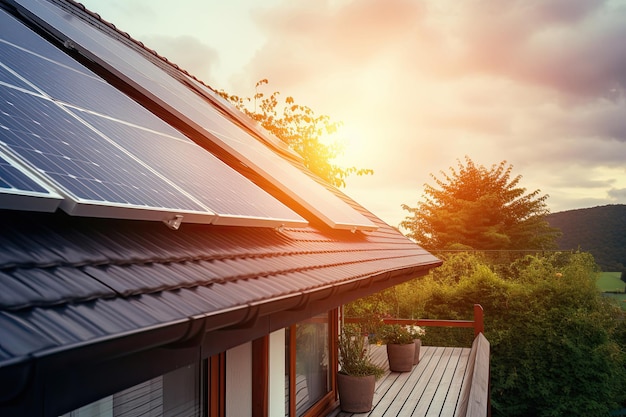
(419, 85)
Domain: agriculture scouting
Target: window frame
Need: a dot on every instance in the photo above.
(329, 400)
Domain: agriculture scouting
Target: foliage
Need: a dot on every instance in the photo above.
(479, 208)
(554, 339)
(354, 357)
(556, 343)
(395, 334)
(301, 129)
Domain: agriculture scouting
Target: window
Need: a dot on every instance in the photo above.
(176, 394)
(310, 364)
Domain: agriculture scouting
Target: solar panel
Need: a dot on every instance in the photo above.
(246, 121)
(89, 170)
(19, 190)
(134, 68)
(119, 167)
(9, 78)
(234, 198)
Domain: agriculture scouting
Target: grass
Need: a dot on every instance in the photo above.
(612, 286)
(610, 281)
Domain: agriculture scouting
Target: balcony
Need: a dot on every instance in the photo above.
(447, 382)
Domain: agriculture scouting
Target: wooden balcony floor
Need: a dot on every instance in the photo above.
(432, 388)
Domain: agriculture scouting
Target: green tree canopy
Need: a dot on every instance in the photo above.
(474, 207)
(301, 129)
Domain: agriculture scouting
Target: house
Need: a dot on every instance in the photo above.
(160, 254)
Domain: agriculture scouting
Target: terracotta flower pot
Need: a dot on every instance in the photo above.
(356, 393)
(418, 345)
(400, 357)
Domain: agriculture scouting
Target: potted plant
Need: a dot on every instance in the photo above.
(356, 379)
(416, 333)
(400, 347)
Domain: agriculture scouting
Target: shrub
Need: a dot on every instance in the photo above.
(354, 356)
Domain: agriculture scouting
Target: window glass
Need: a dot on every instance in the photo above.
(312, 377)
(176, 393)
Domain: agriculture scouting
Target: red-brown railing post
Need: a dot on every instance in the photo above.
(479, 324)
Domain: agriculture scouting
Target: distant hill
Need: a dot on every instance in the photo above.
(598, 230)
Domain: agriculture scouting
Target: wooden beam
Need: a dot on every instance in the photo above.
(429, 322)
(260, 376)
(217, 385)
(474, 400)
(479, 322)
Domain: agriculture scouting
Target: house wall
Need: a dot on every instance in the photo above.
(239, 381)
(277, 385)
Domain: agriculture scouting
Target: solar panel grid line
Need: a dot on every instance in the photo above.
(69, 65)
(51, 78)
(178, 99)
(202, 175)
(80, 171)
(137, 159)
(8, 78)
(72, 167)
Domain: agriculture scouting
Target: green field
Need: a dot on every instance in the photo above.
(610, 282)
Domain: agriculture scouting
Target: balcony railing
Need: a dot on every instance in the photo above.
(448, 382)
(477, 324)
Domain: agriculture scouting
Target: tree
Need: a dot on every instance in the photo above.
(479, 208)
(301, 129)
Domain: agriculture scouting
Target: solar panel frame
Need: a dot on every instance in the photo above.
(178, 99)
(21, 190)
(197, 171)
(47, 79)
(80, 164)
(242, 118)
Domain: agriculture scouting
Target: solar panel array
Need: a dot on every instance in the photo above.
(134, 67)
(107, 155)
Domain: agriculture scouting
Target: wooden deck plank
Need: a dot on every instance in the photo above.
(436, 384)
(416, 383)
(424, 387)
(450, 385)
(433, 384)
(454, 391)
(391, 383)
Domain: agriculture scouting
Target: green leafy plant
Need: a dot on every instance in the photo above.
(396, 334)
(354, 355)
(301, 129)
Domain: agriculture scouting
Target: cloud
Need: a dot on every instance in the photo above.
(188, 52)
(540, 84)
(570, 46)
(618, 194)
(307, 41)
